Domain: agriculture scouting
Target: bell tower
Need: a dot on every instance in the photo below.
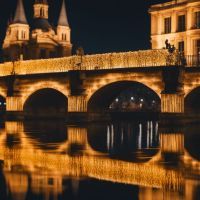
(17, 35)
(41, 9)
(64, 32)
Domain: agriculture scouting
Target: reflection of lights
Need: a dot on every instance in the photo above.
(4, 103)
(140, 105)
(153, 101)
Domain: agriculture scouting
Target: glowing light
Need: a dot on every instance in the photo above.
(132, 98)
(90, 62)
(117, 100)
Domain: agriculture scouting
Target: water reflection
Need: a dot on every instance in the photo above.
(130, 140)
(119, 160)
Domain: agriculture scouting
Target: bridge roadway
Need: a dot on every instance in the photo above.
(90, 163)
(146, 58)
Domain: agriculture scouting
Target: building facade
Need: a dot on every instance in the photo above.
(177, 22)
(40, 39)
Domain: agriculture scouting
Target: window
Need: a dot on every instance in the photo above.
(198, 47)
(42, 53)
(23, 35)
(181, 23)
(197, 19)
(41, 12)
(64, 37)
(181, 46)
(52, 54)
(167, 23)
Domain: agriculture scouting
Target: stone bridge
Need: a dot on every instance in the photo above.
(90, 83)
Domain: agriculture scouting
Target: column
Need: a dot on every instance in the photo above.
(174, 22)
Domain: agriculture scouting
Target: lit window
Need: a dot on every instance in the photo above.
(167, 23)
(181, 23)
(198, 47)
(181, 46)
(197, 19)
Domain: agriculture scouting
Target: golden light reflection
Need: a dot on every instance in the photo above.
(92, 166)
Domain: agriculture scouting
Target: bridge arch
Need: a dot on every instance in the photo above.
(191, 101)
(43, 85)
(153, 82)
(103, 96)
(46, 102)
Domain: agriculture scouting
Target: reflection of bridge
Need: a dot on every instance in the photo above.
(54, 165)
(87, 84)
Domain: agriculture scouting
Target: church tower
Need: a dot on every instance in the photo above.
(40, 40)
(42, 43)
(17, 35)
(41, 9)
(64, 32)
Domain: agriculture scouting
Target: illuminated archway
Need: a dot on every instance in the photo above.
(104, 97)
(46, 102)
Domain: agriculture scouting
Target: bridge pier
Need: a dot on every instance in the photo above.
(77, 104)
(77, 108)
(172, 103)
(172, 97)
(14, 108)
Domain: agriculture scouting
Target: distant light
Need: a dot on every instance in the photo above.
(117, 100)
(4, 103)
(153, 101)
(0, 103)
(141, 100)
(132, 98)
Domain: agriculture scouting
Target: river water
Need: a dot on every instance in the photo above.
(126, 160)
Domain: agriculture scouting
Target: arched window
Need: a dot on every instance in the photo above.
(64, 37)
(41, 12)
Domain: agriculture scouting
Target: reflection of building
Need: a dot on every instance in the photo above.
(40, 40)
(179, 22)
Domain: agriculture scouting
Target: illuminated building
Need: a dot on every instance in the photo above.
(40, 39)
(177, 21)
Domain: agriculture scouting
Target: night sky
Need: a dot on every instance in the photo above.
(97, 25)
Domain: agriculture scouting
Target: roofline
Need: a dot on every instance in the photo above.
(170, 4)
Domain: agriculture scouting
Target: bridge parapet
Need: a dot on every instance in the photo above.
(146, 58)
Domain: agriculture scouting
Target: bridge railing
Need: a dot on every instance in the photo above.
(146, 58)
(192, 60)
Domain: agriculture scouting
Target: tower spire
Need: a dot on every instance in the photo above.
(20, 14)
(41, 1)
(63, 21)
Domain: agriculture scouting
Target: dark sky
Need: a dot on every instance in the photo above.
(97, 25)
